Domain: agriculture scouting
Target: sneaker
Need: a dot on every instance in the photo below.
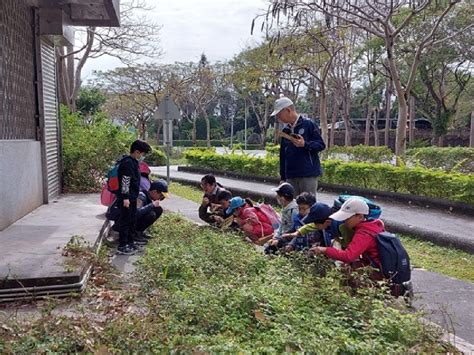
(136, 247)
(408, 286)
(144, 235)
(140, 240)
(125, 250)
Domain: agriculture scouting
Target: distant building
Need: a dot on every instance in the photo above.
(30, 138)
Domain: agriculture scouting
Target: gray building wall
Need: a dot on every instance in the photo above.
(21, 179)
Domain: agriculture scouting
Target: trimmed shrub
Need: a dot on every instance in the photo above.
(383, 177)
(459, 159)
(156, 157)
(360, 153)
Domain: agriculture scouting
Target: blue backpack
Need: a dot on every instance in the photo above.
(113, 184)
(395, 262)
(374, 210)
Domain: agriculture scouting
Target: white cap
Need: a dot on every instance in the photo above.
(280, 104)
(349, 208)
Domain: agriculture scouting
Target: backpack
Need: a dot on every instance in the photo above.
(374, 210)
(394, 259)
(113, 212)
(270, 213)
(113, 183)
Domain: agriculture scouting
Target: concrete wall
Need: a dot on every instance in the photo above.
(21, 181)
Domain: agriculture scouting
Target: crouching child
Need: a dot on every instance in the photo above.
(363, 249)
(148, 207)
(285, 198)
(251, 220)
(315, 231)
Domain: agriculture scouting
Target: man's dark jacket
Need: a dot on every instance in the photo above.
(296, 162)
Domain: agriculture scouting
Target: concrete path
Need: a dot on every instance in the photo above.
(32, 247)
(447, 301)
(401, 218)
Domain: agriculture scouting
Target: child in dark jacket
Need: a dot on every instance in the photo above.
(129, 180)
(316, 229)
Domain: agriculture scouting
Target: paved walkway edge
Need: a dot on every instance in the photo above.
(58, 287)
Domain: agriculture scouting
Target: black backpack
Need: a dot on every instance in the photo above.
(113, 212)
(394, 259)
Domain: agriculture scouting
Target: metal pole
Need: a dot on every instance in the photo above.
(231, 132)
(245, 127)
(167, 123)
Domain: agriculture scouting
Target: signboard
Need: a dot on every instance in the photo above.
(167, 111)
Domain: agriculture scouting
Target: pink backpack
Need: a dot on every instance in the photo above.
(270, 213)
(106, 197)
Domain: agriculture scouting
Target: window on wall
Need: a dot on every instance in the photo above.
(17, 71)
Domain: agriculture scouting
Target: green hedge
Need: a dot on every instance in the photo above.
(383, 177)
(361, 153)
(156, 157)
(459, 159)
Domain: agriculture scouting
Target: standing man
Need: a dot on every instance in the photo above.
(299, 155)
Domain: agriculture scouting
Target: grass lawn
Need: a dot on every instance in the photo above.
(447, 261)
(444, 260)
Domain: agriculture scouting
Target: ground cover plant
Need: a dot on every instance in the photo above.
(197, 289)
(423, 254)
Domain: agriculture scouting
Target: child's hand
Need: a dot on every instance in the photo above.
(126, 203)
(318, 250)
(274, 242)
(218, 219)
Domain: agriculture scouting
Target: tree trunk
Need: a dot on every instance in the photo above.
(347, 123)
(411, 125)
(323, 111)
(208, 132)
(367, 125)
(335, 107)
(388, 108)
(193, 133)
(70, 102)
(471, 136)
(376, 127)
(400, 141)
(263, 136)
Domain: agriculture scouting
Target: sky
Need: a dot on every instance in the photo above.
(220, 29)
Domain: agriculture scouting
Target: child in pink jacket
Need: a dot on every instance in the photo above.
(251, 220)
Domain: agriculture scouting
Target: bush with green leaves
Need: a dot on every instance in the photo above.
(383, 177)
(90, 145)
(460, 159)
(360, 153)
(156, 157)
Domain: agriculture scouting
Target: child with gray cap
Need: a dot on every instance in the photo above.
(285, 197)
